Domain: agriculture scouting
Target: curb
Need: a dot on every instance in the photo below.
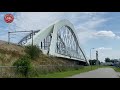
(119, 75)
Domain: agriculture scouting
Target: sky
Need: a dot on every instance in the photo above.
(98, 30)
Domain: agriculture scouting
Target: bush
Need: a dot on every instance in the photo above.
(77, 67)
(23, 65)
(33, 51)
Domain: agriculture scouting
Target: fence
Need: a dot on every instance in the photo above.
(7, 71)
(10, 71)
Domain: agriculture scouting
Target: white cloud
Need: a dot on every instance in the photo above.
(85, 23)
(88, 28)
(103, 48)
(84, 36)
(93, 23)
(44, 18)
(108, 34)
(118, 37)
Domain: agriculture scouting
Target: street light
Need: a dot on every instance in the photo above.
(90, 57)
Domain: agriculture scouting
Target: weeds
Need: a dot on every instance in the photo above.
(33, 51)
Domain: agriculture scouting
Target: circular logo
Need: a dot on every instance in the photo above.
(8, 18)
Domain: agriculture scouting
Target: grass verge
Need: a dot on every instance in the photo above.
(116, 69)
(67, 73)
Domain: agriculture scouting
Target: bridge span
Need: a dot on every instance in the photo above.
(58, 39)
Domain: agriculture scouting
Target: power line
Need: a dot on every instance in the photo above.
(20, 32)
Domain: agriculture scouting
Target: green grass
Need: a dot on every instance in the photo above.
(116, 69)
(67, 73)
(105, 66)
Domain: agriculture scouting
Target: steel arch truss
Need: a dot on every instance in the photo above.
(67, 43)
(60, 39)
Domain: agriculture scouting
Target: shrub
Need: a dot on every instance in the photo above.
(23, 65)
(77, 67)
(33, 51)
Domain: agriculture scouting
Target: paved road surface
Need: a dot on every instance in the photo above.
(98, 73)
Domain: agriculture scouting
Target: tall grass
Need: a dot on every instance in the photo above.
(33, 51)
(14, 53)
(47, 69)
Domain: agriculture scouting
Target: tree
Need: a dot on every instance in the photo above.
(90, 61)
(23, 65)
(94, 62)
(113, 60)
(116, 60)
(107, 59)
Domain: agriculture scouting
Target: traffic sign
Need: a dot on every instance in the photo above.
(8, 18)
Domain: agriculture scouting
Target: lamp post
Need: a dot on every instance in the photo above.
(96, 57)
(90, 57)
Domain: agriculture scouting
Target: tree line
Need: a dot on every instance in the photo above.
(111, 60)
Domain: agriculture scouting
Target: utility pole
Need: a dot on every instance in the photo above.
(8, 37)
(97, 57)
(21, 32)
(90, 57)
(32, 38)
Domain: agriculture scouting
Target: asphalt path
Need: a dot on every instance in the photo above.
(98, 73)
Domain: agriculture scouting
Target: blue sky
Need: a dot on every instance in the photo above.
(99, 30)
